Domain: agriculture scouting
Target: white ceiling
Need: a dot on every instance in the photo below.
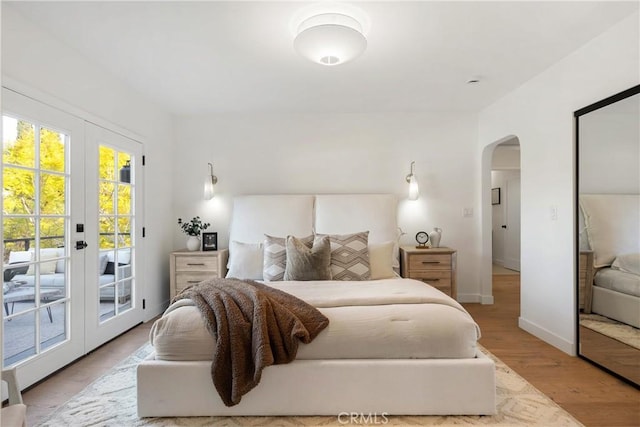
(204, 57)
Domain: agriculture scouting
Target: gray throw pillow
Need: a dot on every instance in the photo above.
(308, 264)
(275, 256)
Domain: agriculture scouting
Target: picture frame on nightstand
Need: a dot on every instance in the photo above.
(210, 241)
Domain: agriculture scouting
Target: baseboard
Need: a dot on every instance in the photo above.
(547, 336)
(475, 298)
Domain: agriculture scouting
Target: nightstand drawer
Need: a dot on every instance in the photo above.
(429, 262)
(187, 279)
(197, 263)
(435, 275)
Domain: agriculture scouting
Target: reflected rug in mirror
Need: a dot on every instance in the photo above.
(111, 401)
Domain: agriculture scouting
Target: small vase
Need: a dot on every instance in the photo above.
(435, 236)
(193, 243)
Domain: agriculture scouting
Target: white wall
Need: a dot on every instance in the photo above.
(540, 114)
(609, 149)
(337, 153)
(506, 157)
(33, 61)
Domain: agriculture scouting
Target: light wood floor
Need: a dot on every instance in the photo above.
(594, 397)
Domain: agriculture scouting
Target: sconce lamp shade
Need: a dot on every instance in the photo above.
(209, 182)
(330, 39)
(414, 190)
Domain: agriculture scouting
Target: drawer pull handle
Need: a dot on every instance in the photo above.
(431, 262)
(193, 281)
(431, 280)
(202, 263)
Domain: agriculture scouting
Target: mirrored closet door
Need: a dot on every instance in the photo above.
(608, 232)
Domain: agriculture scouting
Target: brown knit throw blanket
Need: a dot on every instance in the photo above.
(254, 326)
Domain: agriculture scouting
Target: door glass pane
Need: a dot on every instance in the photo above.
(18, 141)
(124, 199)
(52, 191)
(106, 198)
(19, 337)
(19, 235)
(107, 163)
(35, 221)
(18, 191)
(52, 325)
(107, 232)
(116, 188)
(124, 232)
(52, 153)
(52, 233)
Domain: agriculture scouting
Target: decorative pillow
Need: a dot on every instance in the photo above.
(111, 267)
(629, 263)
(45, 267)
(380, 260)
(275, 256)
(104, 259)
(349, 256)
(245, 260)
(308, 264)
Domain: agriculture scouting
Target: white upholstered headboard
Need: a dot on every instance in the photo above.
(276, 215)
(612, 224)
(302, 215)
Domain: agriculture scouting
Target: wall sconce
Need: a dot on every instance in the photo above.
(414, 191)
(209, 182)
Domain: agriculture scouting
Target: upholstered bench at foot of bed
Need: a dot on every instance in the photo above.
(325, 387)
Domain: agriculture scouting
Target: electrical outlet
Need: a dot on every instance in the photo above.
(467, 212)
(553, 213)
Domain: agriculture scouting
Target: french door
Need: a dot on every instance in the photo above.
(58, 300)
(114, 201)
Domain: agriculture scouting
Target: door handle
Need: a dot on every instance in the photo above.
(504, 226)
(81, 244)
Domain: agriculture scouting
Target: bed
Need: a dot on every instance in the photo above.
(612, 230)
(393, 345)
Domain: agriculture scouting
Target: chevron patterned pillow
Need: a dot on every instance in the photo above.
(349, 256)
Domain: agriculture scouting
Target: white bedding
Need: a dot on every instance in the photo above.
(391, 318)
(619, 281)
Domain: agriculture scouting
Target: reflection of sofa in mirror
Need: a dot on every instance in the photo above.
(52, 273)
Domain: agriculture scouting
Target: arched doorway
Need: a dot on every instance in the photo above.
(487, 227)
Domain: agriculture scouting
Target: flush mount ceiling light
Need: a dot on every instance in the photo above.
(330, 38)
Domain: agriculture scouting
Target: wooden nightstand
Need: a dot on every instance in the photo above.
(586, 280)
(435, 266)
(190, 267)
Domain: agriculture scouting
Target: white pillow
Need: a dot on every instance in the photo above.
(380, 256)
(45, 267)
(124, 256)
(19, 256)
(613, 226)
(245, 260)
(629, 263)
(104, 260)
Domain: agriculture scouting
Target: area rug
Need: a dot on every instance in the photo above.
(111, 401)
(611, 328)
